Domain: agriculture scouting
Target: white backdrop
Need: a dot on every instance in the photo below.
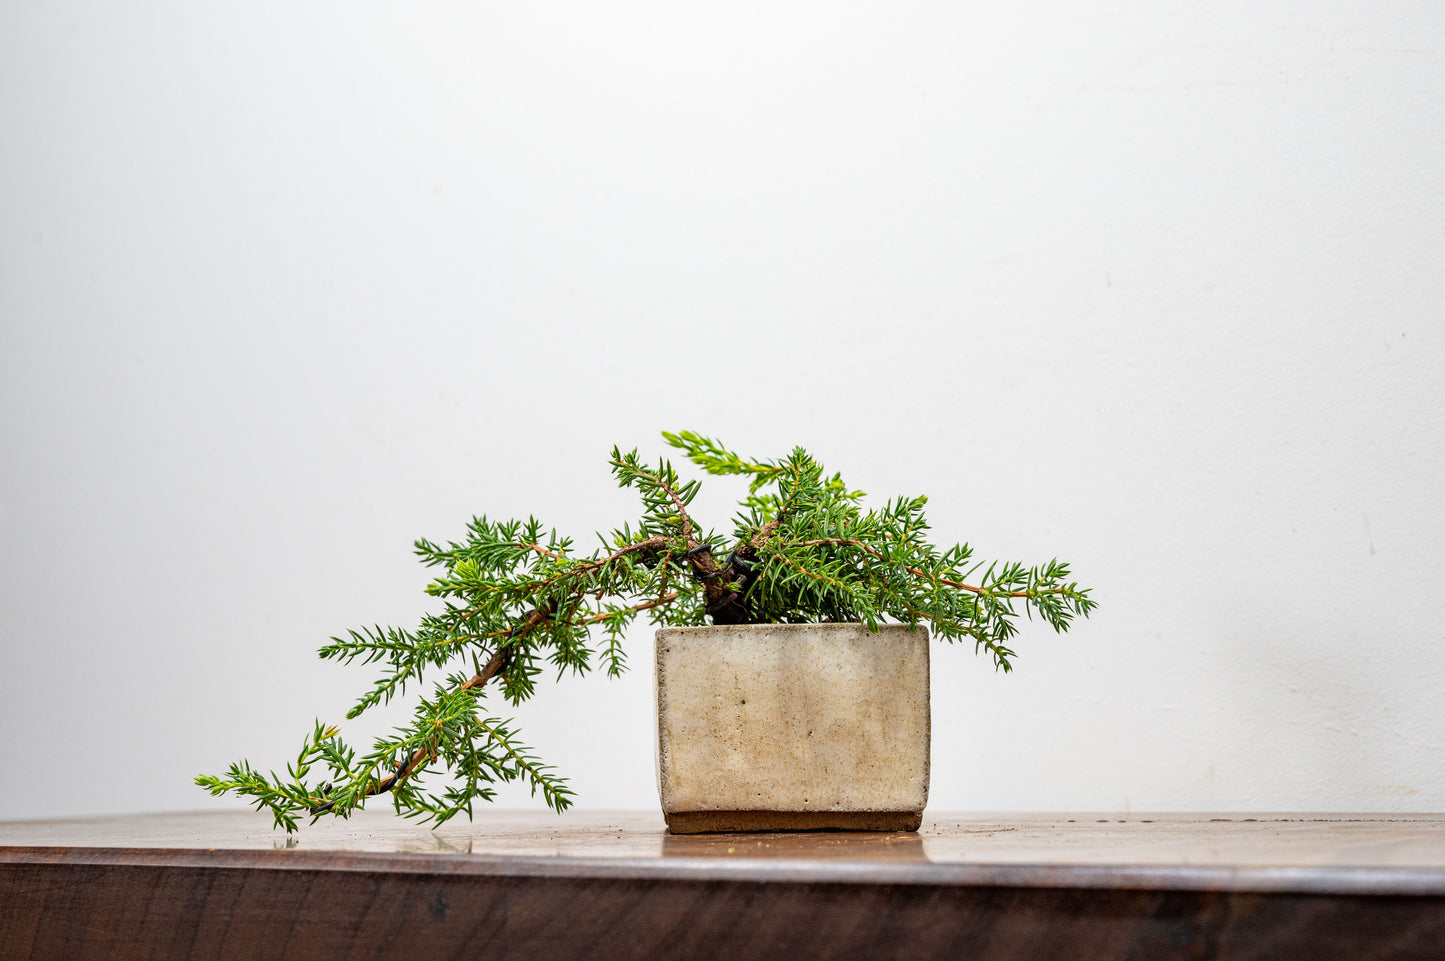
(1153, 287)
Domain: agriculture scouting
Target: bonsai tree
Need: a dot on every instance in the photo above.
(517, 597)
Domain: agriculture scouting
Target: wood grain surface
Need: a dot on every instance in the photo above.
(617, 886)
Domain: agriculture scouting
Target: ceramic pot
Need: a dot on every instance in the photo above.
(792, 727)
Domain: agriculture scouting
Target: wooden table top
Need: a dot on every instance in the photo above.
(1367, 853)
(618, 887)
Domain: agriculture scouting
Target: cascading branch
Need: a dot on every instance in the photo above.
(517, 597)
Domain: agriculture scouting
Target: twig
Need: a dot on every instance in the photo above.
(408, 768)
(652, 543)
(848, 542)
(676, 499)
(543, 551)
(647, 605)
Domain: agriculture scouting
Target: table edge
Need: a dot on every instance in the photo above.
(1314, 880)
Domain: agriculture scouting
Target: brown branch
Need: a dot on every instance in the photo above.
(848, 542)
(651, 543)
(704, 565)
(494, 667)
(646, 605)
(665, 581)
(765, 533)
(676, 499)
(807, 573)
(543, 551)
(502, 656)
(498, 662)
(427, 753)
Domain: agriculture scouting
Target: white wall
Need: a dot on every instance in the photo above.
(1153, 287)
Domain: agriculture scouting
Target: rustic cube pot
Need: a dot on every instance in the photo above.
(792, 727)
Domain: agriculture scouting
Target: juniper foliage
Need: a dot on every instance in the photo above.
(517, 598)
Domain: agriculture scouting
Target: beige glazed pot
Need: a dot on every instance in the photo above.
(792, 727)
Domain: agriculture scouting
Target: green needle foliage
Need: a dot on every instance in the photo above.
(516, 598)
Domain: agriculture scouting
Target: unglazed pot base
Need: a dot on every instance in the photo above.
(705, 822)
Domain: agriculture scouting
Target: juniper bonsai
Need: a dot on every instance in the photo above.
(517, 596)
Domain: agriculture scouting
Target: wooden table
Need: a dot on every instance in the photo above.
(616, 886)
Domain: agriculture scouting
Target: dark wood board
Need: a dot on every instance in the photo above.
(617, 886)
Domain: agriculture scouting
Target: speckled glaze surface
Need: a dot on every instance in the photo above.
(792, 726)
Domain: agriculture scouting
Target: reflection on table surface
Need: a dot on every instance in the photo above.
(1379, 840)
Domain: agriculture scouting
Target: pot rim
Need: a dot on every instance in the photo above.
(807, 626)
